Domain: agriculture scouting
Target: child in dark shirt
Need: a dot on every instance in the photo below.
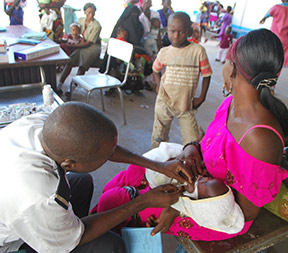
(226, 41)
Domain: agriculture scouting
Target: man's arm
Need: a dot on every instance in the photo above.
(205, 85)
(98, 224)
(169, 168)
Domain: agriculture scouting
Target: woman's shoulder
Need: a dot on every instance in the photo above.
(264, 141)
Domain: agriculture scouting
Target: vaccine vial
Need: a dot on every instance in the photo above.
(47, 93)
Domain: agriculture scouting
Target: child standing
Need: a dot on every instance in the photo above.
(226, 41)
(75, 37)
(47, 21)
(184, 62)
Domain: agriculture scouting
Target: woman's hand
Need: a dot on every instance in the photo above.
(163, 222)
(190, 156)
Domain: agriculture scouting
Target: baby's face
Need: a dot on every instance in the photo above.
(74, 30)
(123, 34)
(156, 23)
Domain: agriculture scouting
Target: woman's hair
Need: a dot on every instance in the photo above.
(259, 57)
(89, 5)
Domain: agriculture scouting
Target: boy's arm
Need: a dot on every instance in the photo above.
(205, 85)
(10, 10)
(158, 79)
(98, 224)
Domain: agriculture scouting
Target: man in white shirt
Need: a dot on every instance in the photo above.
(36, 209)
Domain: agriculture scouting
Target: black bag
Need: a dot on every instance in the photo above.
(134, 84)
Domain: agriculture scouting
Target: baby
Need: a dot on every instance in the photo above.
(208, 201)
(150, 41)
(75, 37)
(122, 33)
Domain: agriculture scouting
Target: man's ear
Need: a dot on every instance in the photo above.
(68, 164)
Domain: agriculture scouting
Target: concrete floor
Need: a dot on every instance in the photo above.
(137, 133)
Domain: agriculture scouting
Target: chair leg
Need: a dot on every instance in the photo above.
(71, 90)
(102, 100)
(88, 96)
(122, 105)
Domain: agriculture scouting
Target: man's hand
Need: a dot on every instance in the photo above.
(163, 222)
(161, 196)
(177, 170)
(192, 160)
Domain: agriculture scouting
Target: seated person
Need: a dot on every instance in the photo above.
(75, 37)
(219, 212)
(86, 52)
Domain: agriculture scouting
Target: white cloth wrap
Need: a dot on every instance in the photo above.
(219, 213)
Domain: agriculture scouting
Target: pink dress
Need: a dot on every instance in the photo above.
(279, 26)
(226, 160)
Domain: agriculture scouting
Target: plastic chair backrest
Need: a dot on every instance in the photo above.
(120, 49)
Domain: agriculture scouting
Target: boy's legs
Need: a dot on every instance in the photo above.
(219, 55)
(224, 53)
(189, 126)
(162, 122)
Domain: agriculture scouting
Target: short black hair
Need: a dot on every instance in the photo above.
(76, 131)
(183, 16)
(89, 5)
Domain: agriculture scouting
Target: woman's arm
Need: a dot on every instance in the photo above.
(249, 210)
(52, 4)
(10, 10)
(82, 44)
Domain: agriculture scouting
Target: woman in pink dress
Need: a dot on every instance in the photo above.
(243, 145)
(279, 12)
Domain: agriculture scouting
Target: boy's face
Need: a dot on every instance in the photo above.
(178, 32)
(47, 11)
(74, 30)
(167, 4)
(228, 30)
(156, 23)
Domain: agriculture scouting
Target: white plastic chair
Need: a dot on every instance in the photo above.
(116, 48)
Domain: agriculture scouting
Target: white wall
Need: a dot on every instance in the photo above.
(248, 13)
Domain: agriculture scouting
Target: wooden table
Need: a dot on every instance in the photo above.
(22, 72)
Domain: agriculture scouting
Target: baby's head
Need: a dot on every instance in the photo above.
(75, 29)
(155, 23)
(228, 29)
(122, 33)
(207, 187)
